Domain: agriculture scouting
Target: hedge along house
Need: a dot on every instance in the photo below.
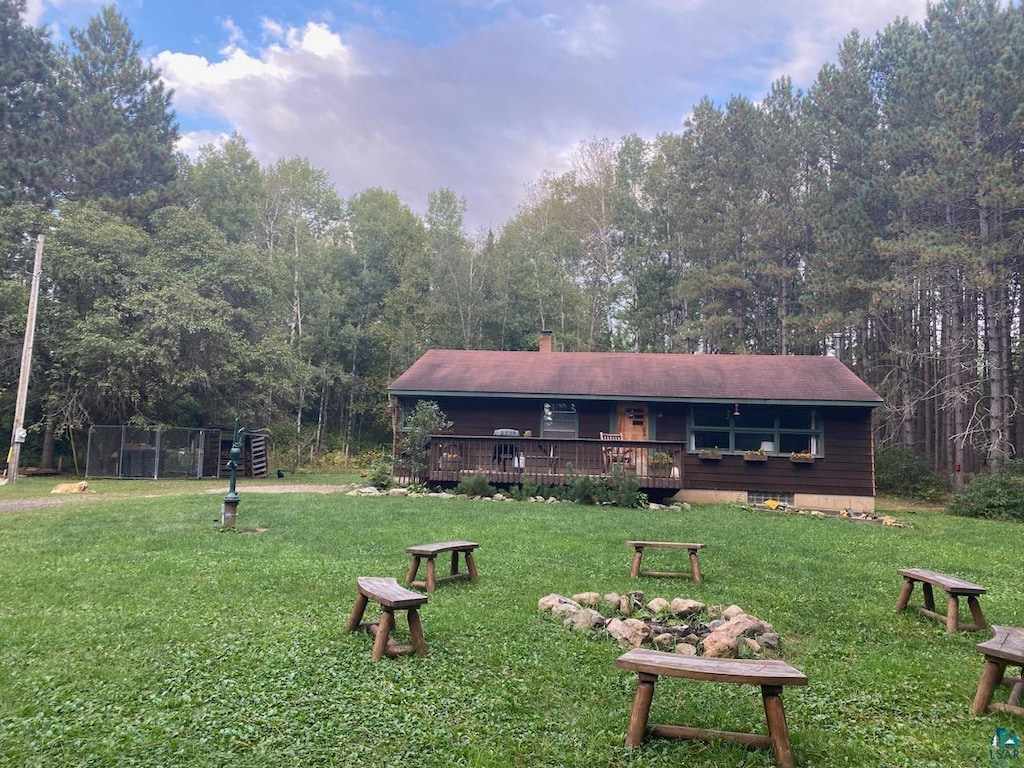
(701, 428)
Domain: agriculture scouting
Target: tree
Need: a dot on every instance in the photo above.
(122, 130)
(32, 110)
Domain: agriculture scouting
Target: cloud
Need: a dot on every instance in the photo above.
(485, 108)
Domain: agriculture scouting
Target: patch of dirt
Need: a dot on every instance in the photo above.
(20, 505)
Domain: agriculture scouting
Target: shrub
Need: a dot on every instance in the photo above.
(999, 496)
(898, 471)
(475, 485)
(624, 489)
(380, 474)
(584, 489)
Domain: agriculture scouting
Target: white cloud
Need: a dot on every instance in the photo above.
(490, 108)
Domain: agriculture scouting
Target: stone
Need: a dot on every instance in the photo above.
(585, 618)
(665, 641)
(683, 607)
(550, 601)
(589, 599)
(657, 605)
(769, 640)
(565, 609)
(686, 649)
(398, 492)
(731, 612)
(719, 645)
(630, 633)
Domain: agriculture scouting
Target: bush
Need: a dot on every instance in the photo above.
(584, 489)
(999, 496)
(898, 471)
(624, 489)
(380, 474)
(475, 485)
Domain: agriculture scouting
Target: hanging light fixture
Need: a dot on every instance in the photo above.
(735, 410)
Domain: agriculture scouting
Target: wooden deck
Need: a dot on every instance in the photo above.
(512, 460)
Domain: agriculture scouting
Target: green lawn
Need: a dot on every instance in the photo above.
(133, 632)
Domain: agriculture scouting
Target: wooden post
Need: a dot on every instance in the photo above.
(778, 731)
(991, 676)
(18, 431)
(641, 709)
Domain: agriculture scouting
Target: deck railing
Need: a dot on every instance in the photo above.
(548, 461)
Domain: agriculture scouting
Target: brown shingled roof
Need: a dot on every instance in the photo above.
(623, 375)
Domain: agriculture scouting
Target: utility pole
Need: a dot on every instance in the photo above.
(18, 433)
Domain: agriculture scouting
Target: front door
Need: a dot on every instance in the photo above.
(632, 421)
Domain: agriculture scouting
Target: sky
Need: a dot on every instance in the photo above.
(480, 96)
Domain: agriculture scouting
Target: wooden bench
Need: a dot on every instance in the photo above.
(770, 674)
(431, 551)
(638, 556)
(392, 597)
(1005, 648)
(953, 587)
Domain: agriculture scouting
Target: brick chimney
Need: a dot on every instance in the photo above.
(547, 341)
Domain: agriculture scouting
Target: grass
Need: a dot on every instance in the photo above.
(133, 632)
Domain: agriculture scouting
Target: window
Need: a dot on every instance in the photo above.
(560, 420)
(775, 429)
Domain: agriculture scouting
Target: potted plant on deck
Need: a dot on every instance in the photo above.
(660, 464)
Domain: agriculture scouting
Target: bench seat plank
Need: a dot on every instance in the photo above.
(752, 671)
(388, 592)
(432, 550)
(950, 584)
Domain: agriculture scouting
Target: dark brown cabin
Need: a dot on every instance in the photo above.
(700, 428)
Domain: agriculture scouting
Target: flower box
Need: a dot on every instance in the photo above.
(801, 458)
(755, 456)
(709, 455)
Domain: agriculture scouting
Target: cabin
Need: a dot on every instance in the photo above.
(698, 428)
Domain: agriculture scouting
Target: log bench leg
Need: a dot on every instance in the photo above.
(952, 615)
(778, 731)
(419, 645)
(380, 642)
(641, 708)
(455, 563)
(431, 575)
(413, 569)
(1017, 690)
(975, 606)
(634, 571)
(991, 676)
(695, 566)
(929, 596)
(471, 566)
(357, 613)
(908, 588)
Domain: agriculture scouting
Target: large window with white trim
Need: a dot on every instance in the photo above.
(733, 428)
(560, 420)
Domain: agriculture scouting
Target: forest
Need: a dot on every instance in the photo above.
(877, 217)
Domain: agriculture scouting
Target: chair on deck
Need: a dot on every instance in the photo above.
(615, 454)
(504, 453)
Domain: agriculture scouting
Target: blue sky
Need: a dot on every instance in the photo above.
(480, 96)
